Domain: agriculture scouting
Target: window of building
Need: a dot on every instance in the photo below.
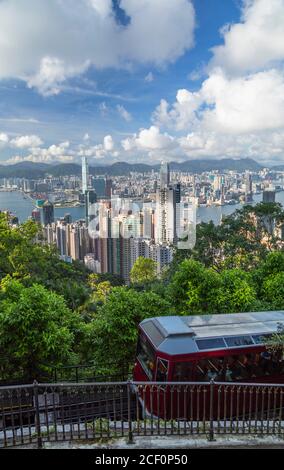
(146, 356)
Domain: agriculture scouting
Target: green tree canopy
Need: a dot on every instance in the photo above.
(113, 332)
(36, 330)
(143, 271)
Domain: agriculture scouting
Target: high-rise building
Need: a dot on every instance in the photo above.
(166, 212)
(47, 213)
(108, 188)
(99, 185)
(85, 174)
(162, 254)
(248, 187)
(90, 198)
(268, 195)
(164, 175)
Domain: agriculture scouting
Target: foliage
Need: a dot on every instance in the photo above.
(196, 289)
(36, 329)
(236, 292)
(275, 343)
(113, 331)
(32, 262)
(143, 271)
(242, 240)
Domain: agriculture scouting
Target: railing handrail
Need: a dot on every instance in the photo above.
(40, 412)
(137, 383)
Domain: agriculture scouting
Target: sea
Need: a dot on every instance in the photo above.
(22, 206)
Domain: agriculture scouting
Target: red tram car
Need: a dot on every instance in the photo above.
(229, 348)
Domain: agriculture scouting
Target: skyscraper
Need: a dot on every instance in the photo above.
(90, 198)
(268, 195)
(47, 213)
(85, 174)
(248, 187)
(166, 212)
(164, 175)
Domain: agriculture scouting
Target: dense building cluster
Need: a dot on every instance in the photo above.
(136, 214)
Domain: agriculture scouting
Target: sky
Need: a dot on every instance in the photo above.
(141, 80)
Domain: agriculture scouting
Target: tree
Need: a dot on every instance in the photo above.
(196, 290)
(37, 330)
(112, 335)
(275, 343)
(273, 291)
(236, 292)
(99, 292)
(191, 288)
(143, 271)
(23, 257)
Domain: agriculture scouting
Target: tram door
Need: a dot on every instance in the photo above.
(158, 400)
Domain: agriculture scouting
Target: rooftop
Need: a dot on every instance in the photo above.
(188, 334)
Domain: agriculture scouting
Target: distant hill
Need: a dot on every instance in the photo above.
(278, 168)
(198, 166)
(38, 170)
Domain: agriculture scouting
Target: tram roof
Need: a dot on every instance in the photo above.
(176, 335)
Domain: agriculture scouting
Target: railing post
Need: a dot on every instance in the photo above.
(130, 432)
(37, 416)
(211, 403)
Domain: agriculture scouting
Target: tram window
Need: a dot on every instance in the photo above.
(162, 370)
(213, 343)
(259, 339)
(208, 369)
(239, 367)
(182, 372)
(239, 341)
(146, 356)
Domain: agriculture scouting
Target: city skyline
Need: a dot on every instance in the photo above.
(196, 89)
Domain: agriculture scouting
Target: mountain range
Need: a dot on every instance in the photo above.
(33, 170)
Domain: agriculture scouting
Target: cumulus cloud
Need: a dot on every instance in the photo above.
(256, 42)
(4, 139)
(108, 143)
(45, 43)
(26, 141)
(239, 108)
(149, 139)
(239, 105)
(182, 113)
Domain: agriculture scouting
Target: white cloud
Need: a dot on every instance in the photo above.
(26, 141)
(108, 143)
(254, 43)
(124, 113)
(44, 43)
(52, 73)
(149, 77)
(149, 139)
(236, 105)
(4, 139)
(182, 113)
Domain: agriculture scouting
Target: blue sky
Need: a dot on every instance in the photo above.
(98, 92)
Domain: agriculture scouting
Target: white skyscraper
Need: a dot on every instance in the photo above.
(165, 224)
(85, 174)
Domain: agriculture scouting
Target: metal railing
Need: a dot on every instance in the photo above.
(38, 413)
